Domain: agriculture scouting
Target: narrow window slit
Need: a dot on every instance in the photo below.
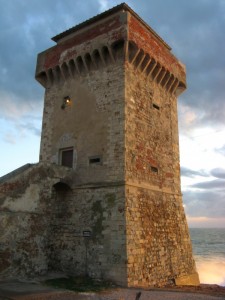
(97, 160)
(156, 106)
(154, 169)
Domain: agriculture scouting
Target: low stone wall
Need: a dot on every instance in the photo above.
(24, 211)
(45, 225)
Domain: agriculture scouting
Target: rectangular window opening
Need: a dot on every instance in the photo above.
(154, 169)
(66, 157)
(156, 106)
(95, 160)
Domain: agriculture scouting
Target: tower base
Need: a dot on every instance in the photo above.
(191, 279)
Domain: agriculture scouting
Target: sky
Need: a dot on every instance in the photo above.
(195, 31)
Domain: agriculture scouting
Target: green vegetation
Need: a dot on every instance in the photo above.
(111, 199)
(79, 284)
(97, 210)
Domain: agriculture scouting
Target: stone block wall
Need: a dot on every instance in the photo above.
(92, 125)
(87, 66)
(24, 245)
(44, 223)
(158, 245)
(24, 225)
(101, 212)
(158, 242)
(152, 148)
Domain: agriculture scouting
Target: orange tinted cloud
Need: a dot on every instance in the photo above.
(205, 222)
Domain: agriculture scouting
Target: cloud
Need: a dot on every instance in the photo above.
(204, 201)
(187, 116)
(221, 150)
(219, 173)
(27, 30)
(192, 173)
(191, 27)
(17, 131)
(34, 128)
(9, 138)
(104, 5)
(194, 31)
(201, 222)
(213, 184)
(208, 203)
(15, 106)
(19, 118)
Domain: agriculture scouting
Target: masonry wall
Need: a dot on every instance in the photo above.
(101, 212)
(158, 243)
(25, 201)
(93, 124)
(43, 225)
(89, 68)
(152, 151)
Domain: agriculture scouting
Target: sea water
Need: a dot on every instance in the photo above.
(209, 253)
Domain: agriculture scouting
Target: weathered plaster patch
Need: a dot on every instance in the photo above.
(26, 203)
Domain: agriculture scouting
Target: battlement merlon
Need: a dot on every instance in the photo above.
(82, 46)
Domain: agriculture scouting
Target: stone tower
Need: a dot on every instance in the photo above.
(110, 117)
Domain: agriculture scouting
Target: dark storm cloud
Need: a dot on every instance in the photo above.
(26, 29)
(204, 203)
(213, 184)
(206, 198)
(194, 29)
(192, 173)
